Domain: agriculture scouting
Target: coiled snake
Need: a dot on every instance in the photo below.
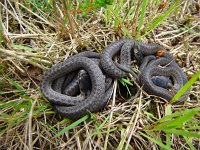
(84, 82)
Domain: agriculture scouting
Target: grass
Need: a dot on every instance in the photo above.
(38, 34)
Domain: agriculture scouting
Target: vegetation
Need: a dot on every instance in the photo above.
(35, 34)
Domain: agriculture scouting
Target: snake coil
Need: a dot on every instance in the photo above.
(83, 83)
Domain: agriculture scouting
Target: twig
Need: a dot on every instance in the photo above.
(9, 52)
(111, 115)
(30, 140)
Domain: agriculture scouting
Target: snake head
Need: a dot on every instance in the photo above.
(84, 83)
(162, 81)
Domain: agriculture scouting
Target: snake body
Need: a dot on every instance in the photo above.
(107, 59)
(70, 106)
(167, 70)
(66, 67)
(84, 82)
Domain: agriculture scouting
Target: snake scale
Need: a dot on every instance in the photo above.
(83, 83)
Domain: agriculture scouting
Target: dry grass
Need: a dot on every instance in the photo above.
(31, 42)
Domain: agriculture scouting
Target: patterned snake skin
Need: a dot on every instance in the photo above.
(83, 83)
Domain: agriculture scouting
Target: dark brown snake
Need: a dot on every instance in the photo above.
(83, 83)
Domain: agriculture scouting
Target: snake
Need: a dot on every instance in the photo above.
(75, 107)
(160, 75)
(126, 47)
(83, 83)
(155, 80)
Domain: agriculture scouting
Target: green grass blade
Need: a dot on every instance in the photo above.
(178, 122)
(182, 132)
(189, 142)
(150, 115)
(178, 3)
(169, 117)
(101, 125)
(175, 114)
(150, 26)
(131, 12)
(108, 15)
(21, 47)
(8, 104)
(126, 32)
(2, 38)
(168, 110)
(185, 87)
(168, 139)
(143, 10)
(103, 132)
(16, 85)
(73, 125)
(124, 81)
(157, 142)
(4, 115)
